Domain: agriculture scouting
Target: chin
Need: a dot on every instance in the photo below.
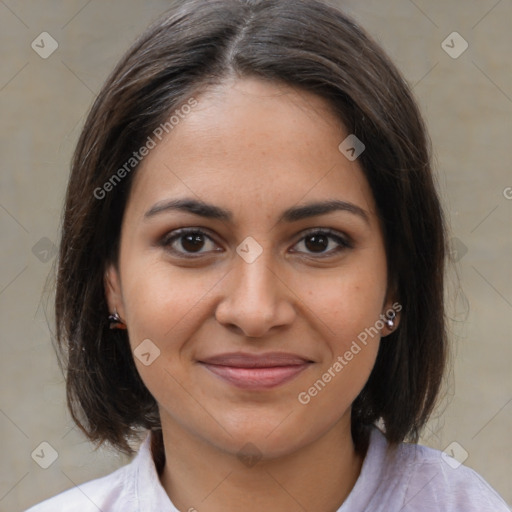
(267, 438)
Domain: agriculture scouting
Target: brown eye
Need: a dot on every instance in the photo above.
(192, 243)
(324, 242)
(188, 242)
(316, 243)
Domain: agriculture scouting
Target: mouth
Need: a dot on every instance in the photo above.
(256, 372)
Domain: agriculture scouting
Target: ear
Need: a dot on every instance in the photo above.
(113, 293)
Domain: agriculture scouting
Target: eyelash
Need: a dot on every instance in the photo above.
(170, 238)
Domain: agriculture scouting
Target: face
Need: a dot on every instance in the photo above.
(234, 311)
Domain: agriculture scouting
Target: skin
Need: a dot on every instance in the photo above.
(255, 148)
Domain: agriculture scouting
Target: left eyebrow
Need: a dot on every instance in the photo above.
(293, 214)
(297, 213)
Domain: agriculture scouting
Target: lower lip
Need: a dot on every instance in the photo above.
(256, 378)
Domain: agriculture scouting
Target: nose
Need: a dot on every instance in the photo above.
(255, 299)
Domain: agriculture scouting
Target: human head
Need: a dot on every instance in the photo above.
(310, 47)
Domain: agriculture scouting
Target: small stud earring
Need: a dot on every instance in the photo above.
(390, 321)
(115, 321)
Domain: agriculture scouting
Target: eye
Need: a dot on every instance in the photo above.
(186, 242)
(318, 241)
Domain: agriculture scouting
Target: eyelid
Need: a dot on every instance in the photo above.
(326, 231)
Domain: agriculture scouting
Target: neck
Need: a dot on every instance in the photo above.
(200, 477)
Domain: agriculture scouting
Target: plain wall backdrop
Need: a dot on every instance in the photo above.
(466, 98)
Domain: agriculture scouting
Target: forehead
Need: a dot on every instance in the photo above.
(253, 145)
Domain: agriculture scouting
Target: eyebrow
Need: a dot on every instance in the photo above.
(293, 214)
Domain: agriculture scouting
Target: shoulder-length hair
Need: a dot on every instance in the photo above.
(310, 46)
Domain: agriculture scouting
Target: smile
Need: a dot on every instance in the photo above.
(256, 372)
(257, 378)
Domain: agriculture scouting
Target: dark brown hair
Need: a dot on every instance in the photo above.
(310, 46)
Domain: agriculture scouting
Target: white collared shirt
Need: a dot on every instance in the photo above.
(412, 478)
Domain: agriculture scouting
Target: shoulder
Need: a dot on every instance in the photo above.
(109, 493)
(414, 478)
(131, 488)
(433, 481)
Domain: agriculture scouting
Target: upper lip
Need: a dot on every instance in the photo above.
(265, 360)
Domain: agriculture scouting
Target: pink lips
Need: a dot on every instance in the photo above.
(249, 371)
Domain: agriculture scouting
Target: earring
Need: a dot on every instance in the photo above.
(390, 321)
(115, 321)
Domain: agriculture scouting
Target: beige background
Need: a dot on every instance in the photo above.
(468, 105)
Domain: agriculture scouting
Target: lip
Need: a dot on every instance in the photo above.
(256, 371)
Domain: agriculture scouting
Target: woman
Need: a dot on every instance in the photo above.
(251, 273)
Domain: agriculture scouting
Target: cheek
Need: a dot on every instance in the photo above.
(352, 338)
(349, 307)
(160, 301)
(163, 305)
(350, 302)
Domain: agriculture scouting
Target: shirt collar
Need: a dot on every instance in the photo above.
(372, 470)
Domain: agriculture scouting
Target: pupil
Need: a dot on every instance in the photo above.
(317, 239)
(192, 242)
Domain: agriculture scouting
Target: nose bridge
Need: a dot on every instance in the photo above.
(255, 299)
(254, 277)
